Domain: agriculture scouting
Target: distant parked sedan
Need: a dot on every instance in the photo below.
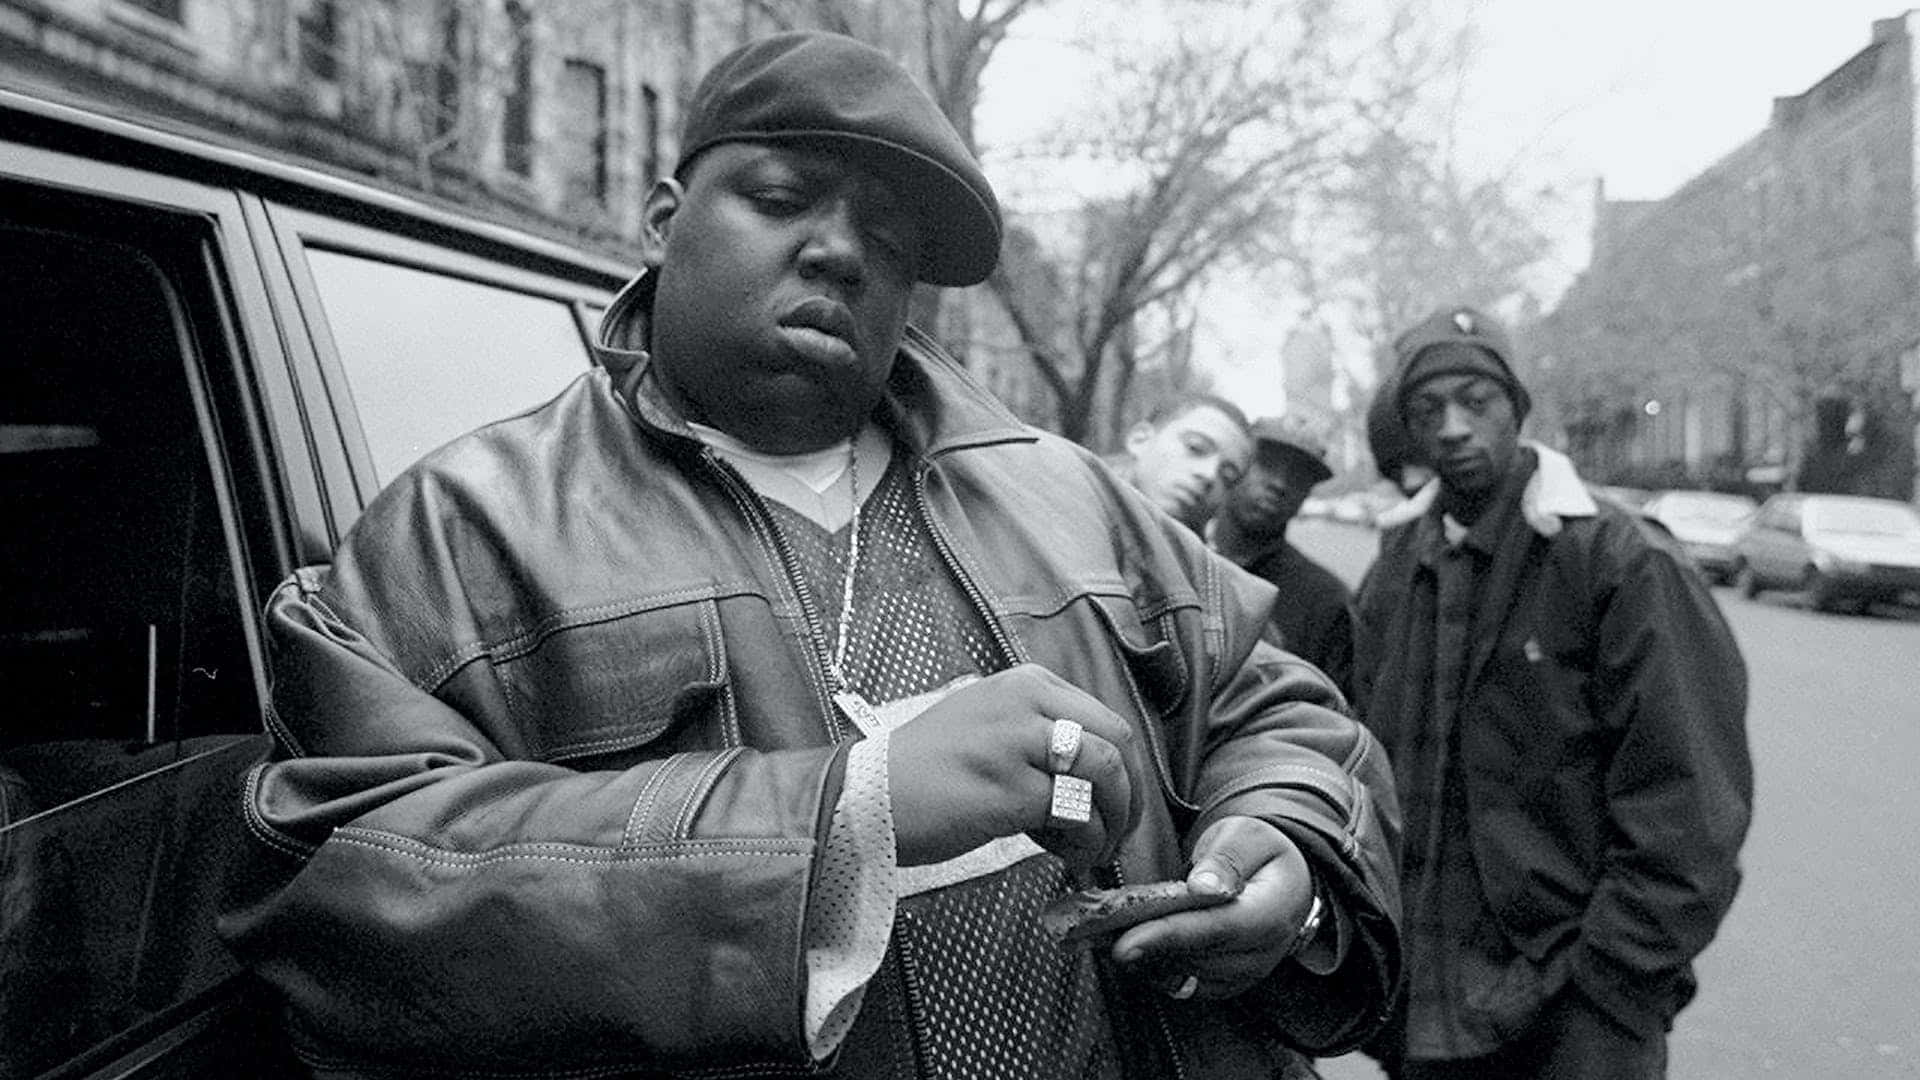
(1706, 523)
(1842, 550)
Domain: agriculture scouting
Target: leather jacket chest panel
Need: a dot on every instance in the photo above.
(621, 643)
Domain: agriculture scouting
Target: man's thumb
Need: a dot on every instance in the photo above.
(1231, 849)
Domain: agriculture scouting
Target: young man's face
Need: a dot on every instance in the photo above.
(1466, 429)
(784, 274)
(1270, 494)
(1183, 465)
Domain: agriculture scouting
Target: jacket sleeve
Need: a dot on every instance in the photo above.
(420, 897)
(1680, 788)
(1282, 747)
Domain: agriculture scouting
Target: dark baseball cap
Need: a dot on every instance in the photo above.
(1457, 341)
(816, 87)
(1298, 436)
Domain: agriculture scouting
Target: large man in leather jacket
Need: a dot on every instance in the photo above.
(1565, 709)
(711, 719)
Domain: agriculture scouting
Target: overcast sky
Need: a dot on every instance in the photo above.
(1643, 93)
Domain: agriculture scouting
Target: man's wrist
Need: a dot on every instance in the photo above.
(1316, 943)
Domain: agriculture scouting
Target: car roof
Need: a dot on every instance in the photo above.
(39, 117)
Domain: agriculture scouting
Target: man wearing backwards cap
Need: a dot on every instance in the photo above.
(1565, 710)
(1312, 613)
(741, 709)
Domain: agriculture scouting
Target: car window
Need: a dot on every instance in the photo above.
(1707, 507)
(129, 702)
(430, 356)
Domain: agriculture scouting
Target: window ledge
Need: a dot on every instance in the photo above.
(153, 27)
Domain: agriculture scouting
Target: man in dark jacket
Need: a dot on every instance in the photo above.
(741, 710)
(1565, 709)
(1312, 614)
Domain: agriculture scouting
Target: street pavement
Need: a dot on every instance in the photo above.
(1816, 972)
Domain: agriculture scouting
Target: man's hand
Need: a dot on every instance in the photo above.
(974, 767)
(1227, 949)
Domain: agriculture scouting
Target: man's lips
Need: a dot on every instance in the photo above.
(822, 314)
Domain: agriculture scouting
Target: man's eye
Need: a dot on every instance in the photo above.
(777, 200)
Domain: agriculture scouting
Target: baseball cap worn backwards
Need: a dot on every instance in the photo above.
(815, 87)
(1457, 341)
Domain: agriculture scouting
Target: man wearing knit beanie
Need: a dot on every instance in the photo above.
(1565, 711)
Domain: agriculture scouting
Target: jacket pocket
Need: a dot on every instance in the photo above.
(592, 687)
(1153, 658)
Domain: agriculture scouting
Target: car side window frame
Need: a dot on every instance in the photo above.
(297, 230)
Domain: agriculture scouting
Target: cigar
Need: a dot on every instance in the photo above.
(1090, 914)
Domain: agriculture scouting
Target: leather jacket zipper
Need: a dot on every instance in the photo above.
(1010, 651)
(776, 544)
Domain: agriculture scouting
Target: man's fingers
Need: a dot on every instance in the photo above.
(1101, 763)
(1094, 840)
(1231, 851)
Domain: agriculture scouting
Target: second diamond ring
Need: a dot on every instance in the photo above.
(1072, 800)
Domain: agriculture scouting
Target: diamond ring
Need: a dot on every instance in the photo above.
(1072, 800)
(1063, 745)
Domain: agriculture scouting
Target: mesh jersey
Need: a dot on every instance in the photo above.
(971, 988)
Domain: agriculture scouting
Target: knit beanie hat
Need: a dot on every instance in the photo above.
(1457, 341)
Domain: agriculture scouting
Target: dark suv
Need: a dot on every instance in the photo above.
(209, 362)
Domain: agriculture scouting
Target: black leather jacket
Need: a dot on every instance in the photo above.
(555, 753)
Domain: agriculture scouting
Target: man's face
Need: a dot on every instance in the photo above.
(1270, 494)
(1184, 464)
(1466, 429)
(784, 275)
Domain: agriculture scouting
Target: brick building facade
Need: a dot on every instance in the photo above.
(1759, 326)
(553, 117)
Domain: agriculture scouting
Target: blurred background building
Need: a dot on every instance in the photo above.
(1758, 327)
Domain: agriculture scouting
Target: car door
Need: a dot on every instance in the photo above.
(1775, 556)
(151, 463)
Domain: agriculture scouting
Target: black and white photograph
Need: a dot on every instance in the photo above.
(959, 539)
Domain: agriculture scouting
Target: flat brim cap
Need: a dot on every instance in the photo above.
(820, 88)
(1456, 341)
(1290, 434)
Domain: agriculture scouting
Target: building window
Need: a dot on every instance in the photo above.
(516, 122)
(319, 30)
(446, 77)
(650, 132)
(582, 114)
(171, 10)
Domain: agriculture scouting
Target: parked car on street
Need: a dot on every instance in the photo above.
(1705, 523)
(211, 363)
(1628, 498)
(1841, 550)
